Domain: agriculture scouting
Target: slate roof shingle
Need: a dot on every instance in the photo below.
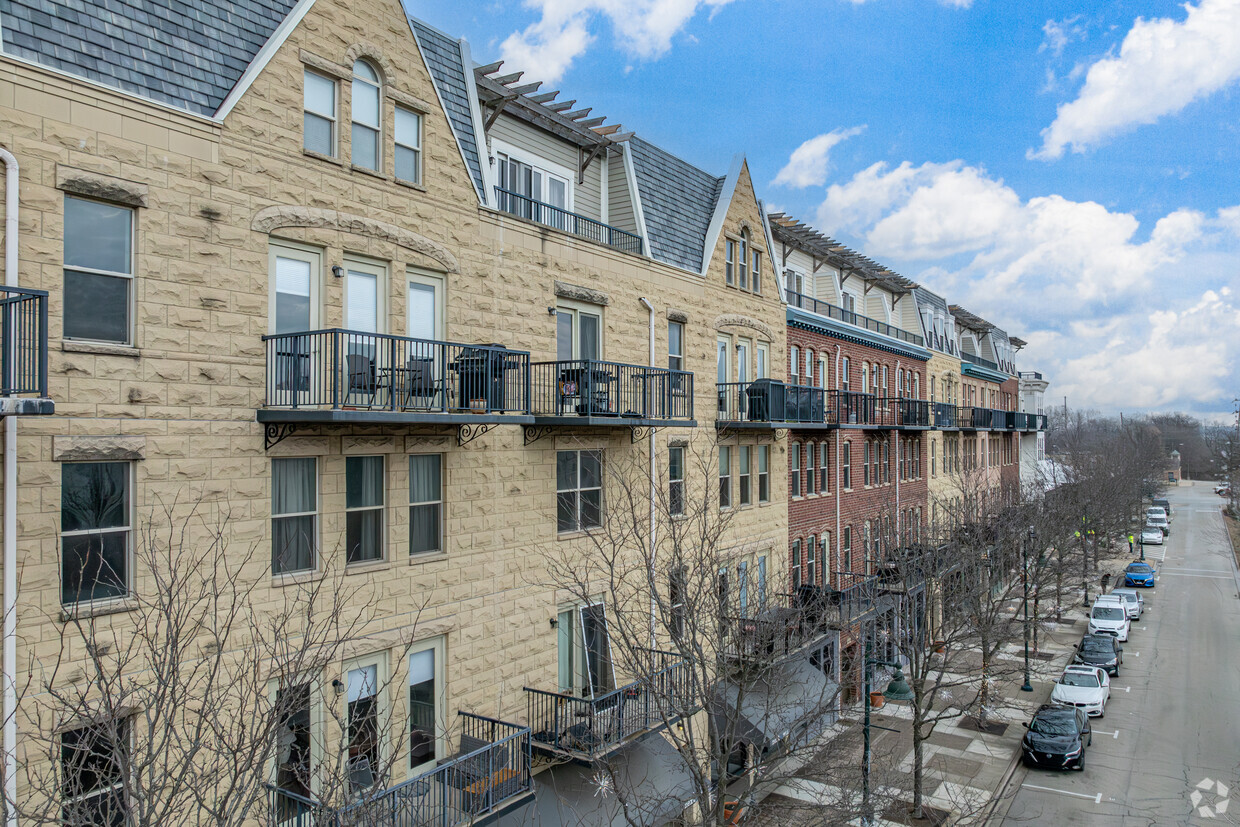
(447, 65)
(187, 55)
(678, 201)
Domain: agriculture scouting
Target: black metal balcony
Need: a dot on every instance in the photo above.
(558, 218)
(337, 375)
(909, 413)
(979, 361)
(785, 625)
(970, 418)
(1021, 421)
(945, 417)
(831, 311)
(23, 355)
(770, 403)
(596, 393)
(590, 728)
(490, 772)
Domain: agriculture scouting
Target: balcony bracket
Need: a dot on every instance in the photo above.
(781, 433)
(640, 432)
(533, 433)
(468, 433)
(274, 434)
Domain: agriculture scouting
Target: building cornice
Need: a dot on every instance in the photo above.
(798, 318)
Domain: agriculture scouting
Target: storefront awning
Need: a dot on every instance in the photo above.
(792, 703)
(644, 783)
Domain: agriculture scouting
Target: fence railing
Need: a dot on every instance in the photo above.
(770, 400)
(1021, 421)
(589, 387)
(979, 361)
(1002, 420)
(832, 311)
(909, 413)
(945, 415)
(492, 767)
(561, 219)
(23, 330)
(852, 408)
(594, 726)
(973, 419)
(350, 369)
(784, 626)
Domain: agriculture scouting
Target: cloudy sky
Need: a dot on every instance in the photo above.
(1071, 175)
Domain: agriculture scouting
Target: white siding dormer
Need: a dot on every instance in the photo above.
(532, 174)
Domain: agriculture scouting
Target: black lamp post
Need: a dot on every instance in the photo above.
(1141, 540)
(1028, 687)
(897, 690)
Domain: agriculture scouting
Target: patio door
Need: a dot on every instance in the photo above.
(600, 673)
(293, 299)
(423, 361)
(365, 354)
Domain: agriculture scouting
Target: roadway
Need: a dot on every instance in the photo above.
(1172, 726)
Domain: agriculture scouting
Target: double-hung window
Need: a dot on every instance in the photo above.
(794, 469)
(294, 514)
(93, 761)
(675, 346)
(796, 564)
(425, 503)
(98, 274)
(843, 376)
(364, 484)
(725, 476)
(764, 476)
(742, 261)
(362, 718)
(755, 273)
(425, 685)
(744, 477)
(579, 490)
(729, 262)
(408, 143)
(676, 480)
(811, 550)
(319, 113)
(95, 520)
(811, 474)
(824, 467)
(865, 463)
(294, 739)
(367, 116)
(846, 466)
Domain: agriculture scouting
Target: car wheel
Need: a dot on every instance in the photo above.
(1090, 742)
(1080, 762)
(1102, 713)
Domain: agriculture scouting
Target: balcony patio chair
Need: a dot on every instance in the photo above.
(490, 772)
(361, 371)
(415, 386)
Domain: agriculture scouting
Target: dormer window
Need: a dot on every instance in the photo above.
(367, 117)
(743, 270)
(534, 192)
(742, 264)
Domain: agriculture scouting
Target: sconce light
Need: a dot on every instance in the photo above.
(550, 311)
(555, 623)
(338, 685)
(337, 271)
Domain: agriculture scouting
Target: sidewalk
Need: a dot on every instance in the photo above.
(966, 769)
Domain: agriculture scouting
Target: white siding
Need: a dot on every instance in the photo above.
(619, 196)
(544, 145)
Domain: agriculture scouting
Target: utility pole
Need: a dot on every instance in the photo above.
(1084, 532)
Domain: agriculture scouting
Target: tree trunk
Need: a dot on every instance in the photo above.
(918, 772)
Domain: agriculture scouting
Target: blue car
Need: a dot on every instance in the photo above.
(1139, 574)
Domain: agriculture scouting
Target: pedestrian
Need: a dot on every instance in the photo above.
(1106, 579)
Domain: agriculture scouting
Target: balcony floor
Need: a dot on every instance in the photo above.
(578, 421)
(343, 416)
(26, 406)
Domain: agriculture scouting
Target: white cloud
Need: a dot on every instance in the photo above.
(952, 4)
(547, 48)
(1162, 66)
(1057, 34)
(808, 164)
(1113, 311)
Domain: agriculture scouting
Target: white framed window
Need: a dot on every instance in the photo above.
(533, 188)
(94, 760)
(578, 332)
(425, 503)
(811, 469)
(365, 525)
(796, 564)
(365, 287)
(743, 478)
(865, 464)
(824, 467)
(294, 514)
(729, 262)
(849, 302)
(675, 346)
(408, 142)
(293, 288)
(424, 307)
(764, 476)
(677, 587)
(364, 681)
(794, 469)
(725, 476)
(742, 261)
(822, 372)
(794, 363)
(865, 377)
(809, 366)
(846, 466)
(427, 704)
(584, 648)
(762, 358)
(811, 550)
(755, 271)
(579, 490)
(96, 518)
(843, 378)
(367, 115)
(98, 271)
(676, 480)
(742, 360)
(318, 130)
(824, 557)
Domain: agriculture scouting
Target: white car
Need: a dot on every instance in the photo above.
(1085, 687)
(1133, 601)
(1156, 511)
(1160, 523)
(1152, 535)
(1109, 616)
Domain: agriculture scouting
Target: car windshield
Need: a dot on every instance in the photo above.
(1079, 679)
(1138, 568)
(1108, 613)
(1098, 646)
(1129, 598)
(1053, 725)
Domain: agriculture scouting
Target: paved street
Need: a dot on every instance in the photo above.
(1173, 723)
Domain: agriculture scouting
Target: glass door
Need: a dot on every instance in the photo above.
(294, 314)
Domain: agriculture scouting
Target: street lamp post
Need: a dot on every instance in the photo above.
(1141, 540)
(897, 690)
(1027, 687)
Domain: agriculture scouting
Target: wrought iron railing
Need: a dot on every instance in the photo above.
(850, 408)
(832, 311)
(1001, 420)
(350, 369)
(570, 222)
(945, 415)
(1021, 421)
(979, 361)
(909, 413)
(973, 419)
(23, 330)
(492, 768)
(589, 387)
(769, 400)
(592, 727)
(787, 624)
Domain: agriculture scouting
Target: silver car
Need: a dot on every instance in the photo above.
(1133, 601)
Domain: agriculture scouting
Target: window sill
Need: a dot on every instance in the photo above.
(373, 173)
(577, 533)
(98, 608)
(410, 184)
(319, 156)
(294, 578)
(427, 557)
(75, 346)
(367, 566)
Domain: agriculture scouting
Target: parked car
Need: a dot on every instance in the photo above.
(1223, 489)
(1165, 505)
(1133, 600)
(1139, 573)
(1155, 521)
(1084, 687)
(1109, 617)
(1102, 651)
(1156, 511)
(1152, 535)
(1057, 738)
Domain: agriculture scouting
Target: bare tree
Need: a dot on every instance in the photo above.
(178, 709)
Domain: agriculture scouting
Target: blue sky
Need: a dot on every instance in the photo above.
(1073, 176)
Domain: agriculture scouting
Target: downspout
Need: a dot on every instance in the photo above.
(899, 392)
(9, 675)
(838, 445)
(653, 482)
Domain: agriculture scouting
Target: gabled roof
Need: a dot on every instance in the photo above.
(792, 231)
(967, 319)
(678, 202)
(446, 61)
(188, 55)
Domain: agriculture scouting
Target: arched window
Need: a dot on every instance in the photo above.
(743, 271)
(899, 381)
(367, 116)
(809, 366)
(917, 386)
(844, 373)
(794, 362)
(822, 372)
(865, 377)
